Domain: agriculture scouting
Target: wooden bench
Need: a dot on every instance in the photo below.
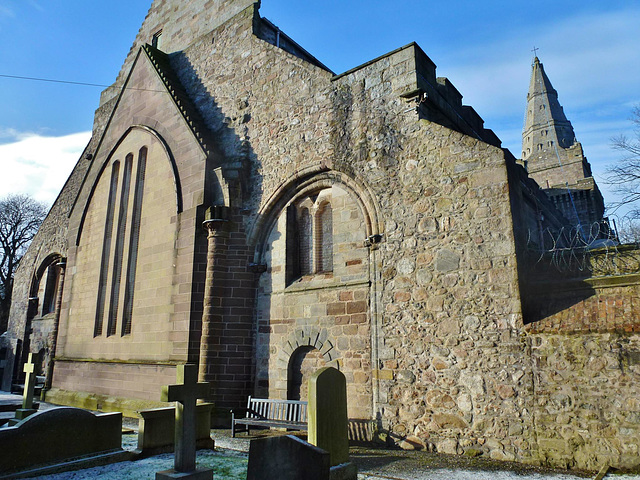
(262, 412)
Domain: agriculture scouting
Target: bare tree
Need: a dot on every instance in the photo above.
(627, 228)
(20, 218)
(624, 176)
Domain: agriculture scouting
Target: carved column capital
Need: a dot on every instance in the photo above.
(216, 227)
(216, 221)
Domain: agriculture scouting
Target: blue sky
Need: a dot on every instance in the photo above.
(590, 50)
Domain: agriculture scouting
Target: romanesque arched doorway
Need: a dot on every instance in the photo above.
(304, 361)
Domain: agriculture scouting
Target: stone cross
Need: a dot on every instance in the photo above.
(29, 385)
(185, 394)
(29, 382)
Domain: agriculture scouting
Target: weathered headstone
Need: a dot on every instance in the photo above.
(57, 435)
(286, 458)
(29, 385)
(327, 419)
(157, 426)
(185, 394)
(327, 414)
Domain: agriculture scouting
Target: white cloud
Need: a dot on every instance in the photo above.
(589, 58)
(38, 165)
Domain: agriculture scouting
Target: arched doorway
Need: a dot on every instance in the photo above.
(303, 362)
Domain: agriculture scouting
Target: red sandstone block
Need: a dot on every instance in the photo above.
(244, 292)
(346, 296)
(359, 318)
(356, 307)
(336, 308)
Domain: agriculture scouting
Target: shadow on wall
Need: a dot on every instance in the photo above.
(543, 300)
(232, 181)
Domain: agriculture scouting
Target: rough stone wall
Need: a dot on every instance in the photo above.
(195, 18)
(586, 399)
(445, 313)
(327, 311)
(454, 374)
(585, 354)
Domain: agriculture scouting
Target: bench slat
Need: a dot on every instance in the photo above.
(267, 412)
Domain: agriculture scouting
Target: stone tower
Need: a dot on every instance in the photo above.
(554, 158)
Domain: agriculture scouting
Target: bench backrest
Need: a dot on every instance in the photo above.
(283, 410)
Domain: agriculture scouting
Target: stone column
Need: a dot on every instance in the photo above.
(53, 336)
(216, 224)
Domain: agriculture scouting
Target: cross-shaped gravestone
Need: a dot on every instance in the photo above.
(29, 382)
(29, 385)
(185, 394)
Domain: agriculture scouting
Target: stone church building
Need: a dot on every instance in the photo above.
(242, 207)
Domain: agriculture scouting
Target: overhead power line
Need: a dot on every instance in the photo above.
(67, 82)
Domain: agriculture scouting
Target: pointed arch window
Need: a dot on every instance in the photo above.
(134, 241)
(106, 249)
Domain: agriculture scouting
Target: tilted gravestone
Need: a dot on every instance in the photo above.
(327, 418)
(185, 394)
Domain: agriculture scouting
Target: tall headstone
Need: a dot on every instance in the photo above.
(327, 414)
(186, 393)
(29, 386)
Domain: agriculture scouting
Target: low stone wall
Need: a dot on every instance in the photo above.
(592, 305)
(586, 404)
(585, 356)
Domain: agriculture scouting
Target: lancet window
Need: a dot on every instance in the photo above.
(120, 246)
(310, 236)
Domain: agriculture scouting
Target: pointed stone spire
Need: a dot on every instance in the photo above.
(546, 126)
(554, 158)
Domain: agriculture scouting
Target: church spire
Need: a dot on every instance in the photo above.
(546, 127)
(554, 158)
